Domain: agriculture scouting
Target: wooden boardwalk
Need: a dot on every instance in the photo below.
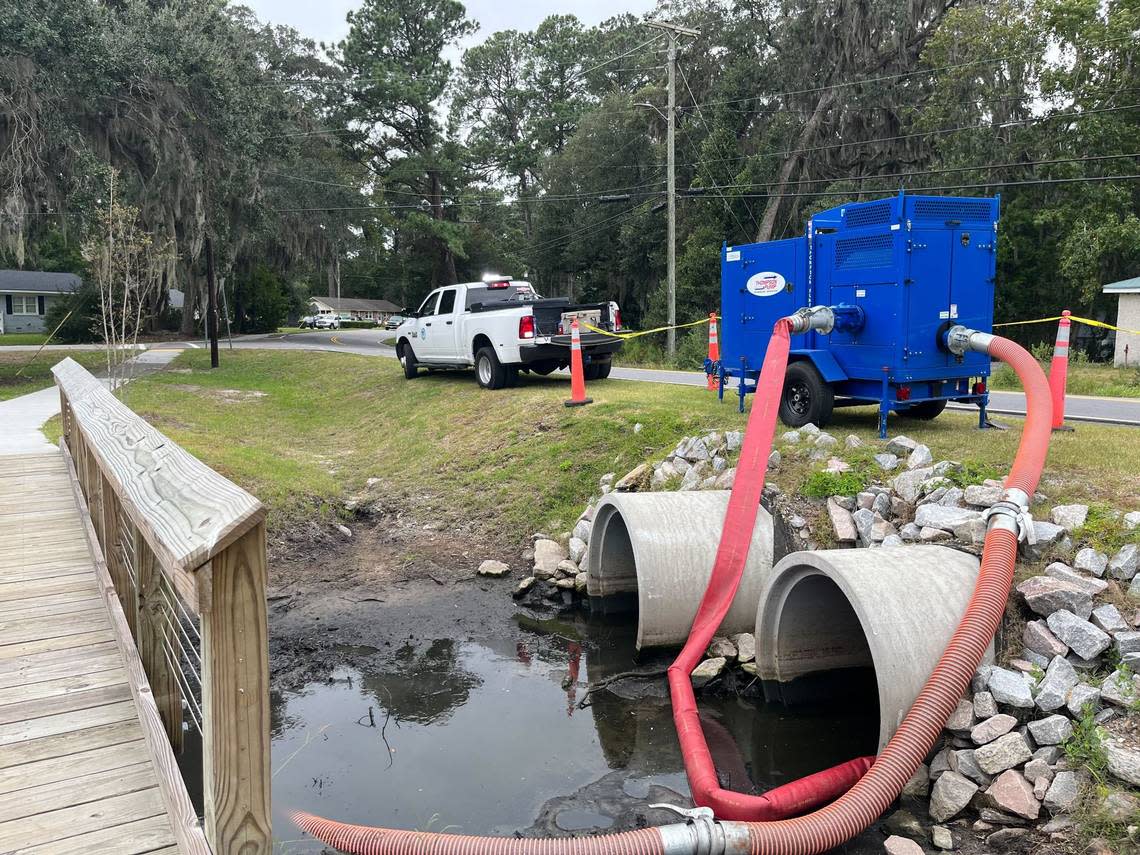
(75, 771)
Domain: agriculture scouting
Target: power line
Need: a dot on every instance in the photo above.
(970, 168)
(905, 74)
(1094, 179)
(645, 43)
(1078, 114)
(716, 187)
(591, 227)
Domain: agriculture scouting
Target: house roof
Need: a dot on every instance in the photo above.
(1124, 286)
(354, 304)
(36, 282)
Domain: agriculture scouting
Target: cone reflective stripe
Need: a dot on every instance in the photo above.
(1059, 369)
(714, 353)
(577, 372)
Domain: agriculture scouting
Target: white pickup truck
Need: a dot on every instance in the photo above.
(501, 326)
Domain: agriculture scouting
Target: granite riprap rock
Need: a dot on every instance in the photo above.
(1053, 730)
(1012, 793)
(1120, 689)
(1069, 517)
(950, 795)
(1108, 617)
(993, 727)
(1045, 595)
(1003, 753)
(1009, 688)
(1063, 792)
(1065, 573)
(1089, 560)
(1039, 638)
(1125, 563)
(1086, 640)
(1080, 696)
(945, 518)
(1053, 690)
(707, 671)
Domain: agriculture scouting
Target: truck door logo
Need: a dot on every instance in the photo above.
(765, 284)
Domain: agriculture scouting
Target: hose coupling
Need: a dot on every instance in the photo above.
(1012, 514)
(702, 834)
(814, 318)
(826, 319)
(959, 340)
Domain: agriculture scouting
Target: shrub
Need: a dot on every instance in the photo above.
(82, 325)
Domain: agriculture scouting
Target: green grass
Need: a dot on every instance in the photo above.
(1103, 530)
(21, 339)
(37, 374)
(1083, 378)
(511, 462)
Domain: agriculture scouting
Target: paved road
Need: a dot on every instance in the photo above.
(1123, 411)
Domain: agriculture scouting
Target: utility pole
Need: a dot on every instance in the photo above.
(673, 31)
(211, 304)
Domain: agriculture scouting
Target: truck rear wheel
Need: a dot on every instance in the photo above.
(806, 397)
(490, 373)
(598, 370)
(408, 360)
(925, 410)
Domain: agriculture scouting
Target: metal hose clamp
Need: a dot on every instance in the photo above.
(1013, 507)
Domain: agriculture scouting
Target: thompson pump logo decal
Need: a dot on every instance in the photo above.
(765, 284)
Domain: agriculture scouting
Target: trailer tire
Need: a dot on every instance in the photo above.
(924, 411)
(407, 358)
(806, 397)
(490, 373)
(604, 367)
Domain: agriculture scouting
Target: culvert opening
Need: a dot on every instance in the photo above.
(653, 552)
(823, 660)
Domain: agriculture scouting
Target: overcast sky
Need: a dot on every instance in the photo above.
(324, 21)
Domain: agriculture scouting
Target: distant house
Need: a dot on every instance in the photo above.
(1127, 318)
(353, 309)
(26, 296)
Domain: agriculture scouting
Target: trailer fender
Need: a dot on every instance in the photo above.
(824, 363)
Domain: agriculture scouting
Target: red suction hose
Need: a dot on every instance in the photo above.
(868, 796)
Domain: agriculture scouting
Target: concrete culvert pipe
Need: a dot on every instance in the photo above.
(893, 610)
(661, 547)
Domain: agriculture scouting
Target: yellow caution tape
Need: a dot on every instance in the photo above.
(1088, 321)
(644, 332)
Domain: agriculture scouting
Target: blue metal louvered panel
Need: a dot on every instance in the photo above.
(871, 214)
(865, 252)
(963, 210)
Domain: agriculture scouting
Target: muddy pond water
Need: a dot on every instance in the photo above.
(497, 736)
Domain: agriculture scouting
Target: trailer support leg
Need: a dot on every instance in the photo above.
(743, 380)
(983, 420)
(884, 407)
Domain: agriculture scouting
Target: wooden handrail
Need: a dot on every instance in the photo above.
(179, 537)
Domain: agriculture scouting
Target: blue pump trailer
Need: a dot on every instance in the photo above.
(897, 273)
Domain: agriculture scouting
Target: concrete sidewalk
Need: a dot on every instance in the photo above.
(22, 418)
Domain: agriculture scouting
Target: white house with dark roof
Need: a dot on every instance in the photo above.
(25, 296)
(1127, 318)
(353, 308)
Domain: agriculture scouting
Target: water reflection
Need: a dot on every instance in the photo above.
(483, 736)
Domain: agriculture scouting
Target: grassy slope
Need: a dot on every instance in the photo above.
(514, 460)
(37, 375)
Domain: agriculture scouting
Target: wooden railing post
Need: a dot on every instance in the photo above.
(235, 687)
(155, 636)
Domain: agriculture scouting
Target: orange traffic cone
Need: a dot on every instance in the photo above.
(577, 373)
(714, 354)
(1059, 371)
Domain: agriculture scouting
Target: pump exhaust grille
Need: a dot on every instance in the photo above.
(862, 253)
(952, 209)
(874, 214)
